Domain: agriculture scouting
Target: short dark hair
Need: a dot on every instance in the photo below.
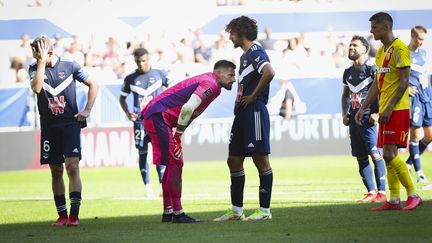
(382, 18)
(140, 52)
(362, 40)
(224, 64)
(43, 38)
(244, 27)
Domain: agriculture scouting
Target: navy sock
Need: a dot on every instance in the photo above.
(144, 167)
(60, 202)
(265, 188)
(380, 173)
(365, 170)
(160, 170)
(414, 154)
(422, 146)
(237, 187)
(75, 199)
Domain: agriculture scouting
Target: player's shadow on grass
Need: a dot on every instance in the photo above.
(309, 222)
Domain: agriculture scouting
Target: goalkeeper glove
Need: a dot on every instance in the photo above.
(178, 152)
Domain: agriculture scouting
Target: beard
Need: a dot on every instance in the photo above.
(227, 87)
(354, 56)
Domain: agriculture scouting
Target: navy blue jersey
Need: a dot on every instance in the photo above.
(359, 80)
(144, 86)
(418, 76)
(57, 101)
(251, 64)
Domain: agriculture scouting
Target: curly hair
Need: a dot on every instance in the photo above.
(243, 26)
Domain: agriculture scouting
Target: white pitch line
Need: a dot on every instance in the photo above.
(186, 198)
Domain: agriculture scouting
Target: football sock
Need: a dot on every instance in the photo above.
(365, 170)
(403, 174)
(265, 188)
(160, 170)
(237, 187)
(60, 202)
(393, 182)
(237, 209)
(414, 155)
(75, 201)
(266, 210)
(168, 210)
(144, 167)
(380, 174)
(422, 146)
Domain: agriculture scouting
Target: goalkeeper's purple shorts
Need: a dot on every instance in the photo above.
(161, 138)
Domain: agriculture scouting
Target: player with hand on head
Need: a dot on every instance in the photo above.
(391, 86)
(421, 101)
(250, 131)
(357, 79)
(165, 119)
(53, 79)
(145, 83)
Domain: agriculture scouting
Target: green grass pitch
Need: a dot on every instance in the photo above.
(313, 201)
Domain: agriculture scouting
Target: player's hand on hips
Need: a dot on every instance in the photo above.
(178, 152)
(359, 116)
(132, 116)
(82, 116)
(385, 115)
(412, 90)
(246, 100)
(373, 118)
(345, 119)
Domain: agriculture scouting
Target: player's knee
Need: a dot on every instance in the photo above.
(234, 164)
(56, 172)
(388, 158)
(361, 158)
(72, 169)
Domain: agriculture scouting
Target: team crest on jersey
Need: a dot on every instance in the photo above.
(207, 93)
(244, 63)
(138, 82)
(257, 59)
(61, 75)
(152, 80)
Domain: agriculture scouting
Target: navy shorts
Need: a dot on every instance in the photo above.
(363, 137)
(250, 132)
(421, 113)
(141, 136)
(58, 143)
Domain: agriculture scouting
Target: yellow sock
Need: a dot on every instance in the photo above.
(403, 174)
(393, 182)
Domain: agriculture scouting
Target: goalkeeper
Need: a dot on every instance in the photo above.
(176, 108)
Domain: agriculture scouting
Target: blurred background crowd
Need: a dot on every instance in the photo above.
(292, 54)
